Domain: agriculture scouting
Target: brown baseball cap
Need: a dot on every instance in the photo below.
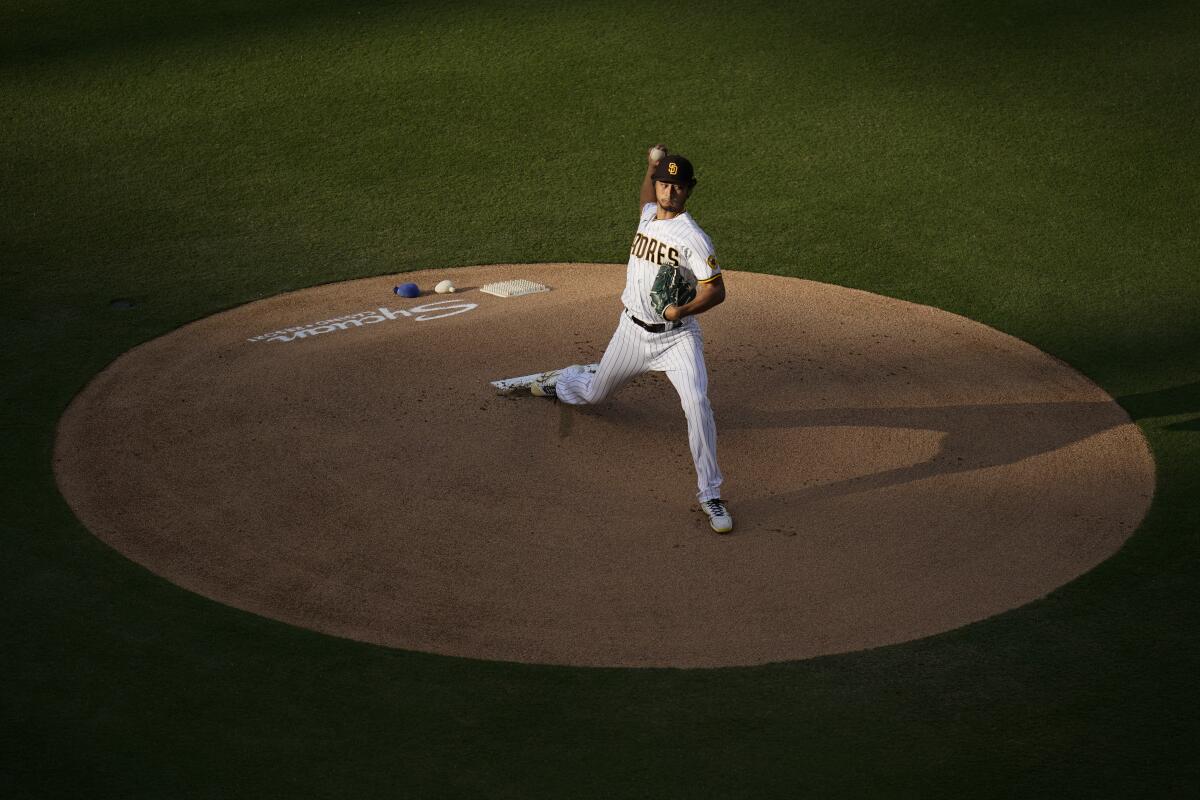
(675, 169)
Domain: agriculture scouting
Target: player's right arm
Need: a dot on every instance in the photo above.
(647, 195)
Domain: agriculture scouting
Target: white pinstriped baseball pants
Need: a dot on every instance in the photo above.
(680, 354)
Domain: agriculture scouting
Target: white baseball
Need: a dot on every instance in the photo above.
(658, 154)
(445, 287)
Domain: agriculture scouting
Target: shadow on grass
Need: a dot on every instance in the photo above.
(61, 31)
(1170, 402)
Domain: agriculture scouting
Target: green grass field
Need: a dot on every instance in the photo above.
(1030, 164)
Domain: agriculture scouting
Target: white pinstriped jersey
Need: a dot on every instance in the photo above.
(679, 352)
(677, 241)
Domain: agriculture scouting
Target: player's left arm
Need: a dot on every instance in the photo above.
(709, 294)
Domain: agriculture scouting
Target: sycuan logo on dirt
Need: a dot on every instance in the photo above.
(421, 313)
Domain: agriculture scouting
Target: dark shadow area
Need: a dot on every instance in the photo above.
(1170, 402)
(56, 31)
(976, 437)
(1012, 23)
(87, 28)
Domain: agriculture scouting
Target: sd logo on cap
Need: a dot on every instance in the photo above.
(675, 169)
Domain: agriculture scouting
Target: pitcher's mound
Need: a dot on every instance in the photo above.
(336, 458)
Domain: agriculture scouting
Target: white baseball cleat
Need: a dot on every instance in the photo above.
(718, 515)
(543, 385)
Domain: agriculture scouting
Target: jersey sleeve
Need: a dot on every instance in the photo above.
(701, 259)
(648, 211)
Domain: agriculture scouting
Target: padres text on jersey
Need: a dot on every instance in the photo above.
(678, 242)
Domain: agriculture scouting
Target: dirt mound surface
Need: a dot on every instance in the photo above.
(335, 458)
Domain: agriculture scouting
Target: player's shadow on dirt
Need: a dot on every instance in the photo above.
(974, 437)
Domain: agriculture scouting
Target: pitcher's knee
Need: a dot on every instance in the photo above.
(596, 394)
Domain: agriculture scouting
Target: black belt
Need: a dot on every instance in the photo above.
(658, 327)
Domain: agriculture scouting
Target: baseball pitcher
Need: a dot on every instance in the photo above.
(672, 277)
